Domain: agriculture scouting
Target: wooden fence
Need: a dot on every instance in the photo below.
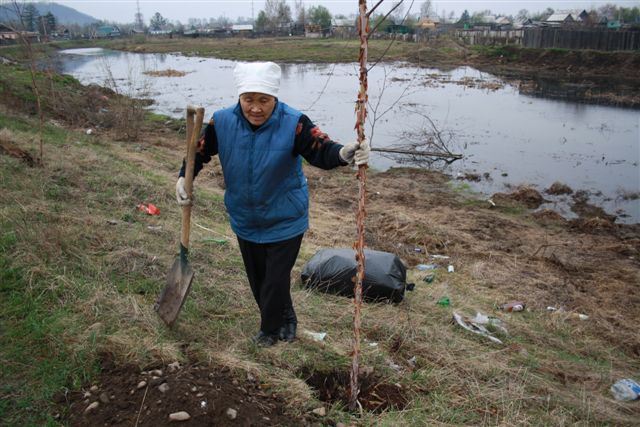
(490, 37)
(597, 39)
(567, 38)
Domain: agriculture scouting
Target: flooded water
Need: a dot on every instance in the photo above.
(506, 137)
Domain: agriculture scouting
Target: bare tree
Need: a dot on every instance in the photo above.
(426, 9)
(19, 27)
(300, 13)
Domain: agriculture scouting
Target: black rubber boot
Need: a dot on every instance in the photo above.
(265, 340)
(288, 330)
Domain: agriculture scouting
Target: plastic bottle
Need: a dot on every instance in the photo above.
(444, 302)
(513, 306)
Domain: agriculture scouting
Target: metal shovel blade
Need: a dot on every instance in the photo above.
(176, 291)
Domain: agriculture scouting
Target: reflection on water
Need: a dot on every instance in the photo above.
(510, 137)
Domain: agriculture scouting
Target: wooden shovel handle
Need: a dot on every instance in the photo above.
(193, 133)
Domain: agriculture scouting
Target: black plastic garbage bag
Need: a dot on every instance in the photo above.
(334, 270)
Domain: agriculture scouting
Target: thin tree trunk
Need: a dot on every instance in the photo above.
(361, 115)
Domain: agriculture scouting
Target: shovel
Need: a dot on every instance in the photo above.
(181, 274)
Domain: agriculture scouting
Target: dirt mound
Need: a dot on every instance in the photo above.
(586, 210)
(10, 149)
(591, 225)
(546, 216)
(126, 396)
(375, 395)
(558, 188)
(166, 73)
(526, 196)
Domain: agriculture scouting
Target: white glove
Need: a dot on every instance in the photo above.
(181, 194)
(353, 153)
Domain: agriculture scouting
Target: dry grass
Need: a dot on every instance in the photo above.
(80, 239)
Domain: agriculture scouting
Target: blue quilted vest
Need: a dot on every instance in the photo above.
(266, 192)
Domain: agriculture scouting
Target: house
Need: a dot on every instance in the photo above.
(343, 27)
(242, 29)
(313, 31)
(398, 29)
(526, 23)
(428, 23)
(559, 19)
(9, 36)
(580, 15)
(107, 31)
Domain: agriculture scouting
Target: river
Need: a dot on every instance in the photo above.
(507, 138)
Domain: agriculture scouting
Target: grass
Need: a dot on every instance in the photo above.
(279, 49)
(80, 270)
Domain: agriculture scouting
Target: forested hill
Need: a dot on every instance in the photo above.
(64, 15)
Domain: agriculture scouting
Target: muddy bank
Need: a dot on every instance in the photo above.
(605, 78)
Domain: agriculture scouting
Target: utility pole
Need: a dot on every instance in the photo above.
(253, 20)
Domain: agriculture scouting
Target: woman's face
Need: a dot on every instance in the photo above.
(257, 107)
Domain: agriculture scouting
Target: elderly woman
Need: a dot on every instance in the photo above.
(261, 142)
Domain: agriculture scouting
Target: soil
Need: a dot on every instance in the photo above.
(375, 395)
(558, 188)
(10, 149)
(526, 196)
(128, 396)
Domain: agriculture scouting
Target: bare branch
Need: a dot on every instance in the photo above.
(394, 36)
(374, 8)
(386, 16)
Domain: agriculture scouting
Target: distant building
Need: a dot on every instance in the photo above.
(525, 23)
(343, 27)
(9, 36)
(428, 23)
(107, 31)
(565, 17)
(240, 28)
(398, 29)
(314, 31)
(580, 15)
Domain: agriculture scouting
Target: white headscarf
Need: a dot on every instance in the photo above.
(261, 77)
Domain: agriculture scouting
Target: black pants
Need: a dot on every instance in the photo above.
(268, 267)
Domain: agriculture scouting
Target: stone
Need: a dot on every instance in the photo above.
(93, 388)
(92, 407)
(104, 398)
(320, 411)
(156, 372)
(179, 416)
(174, 366)
(142, 384)
(163, 388)
(232, 413)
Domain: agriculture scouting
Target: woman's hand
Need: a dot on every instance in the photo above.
(356, 153)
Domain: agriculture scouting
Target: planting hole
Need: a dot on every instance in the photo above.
(375, 395)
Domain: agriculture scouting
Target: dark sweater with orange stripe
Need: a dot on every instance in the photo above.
(310, 142)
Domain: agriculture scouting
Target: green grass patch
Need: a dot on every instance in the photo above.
(36, 362)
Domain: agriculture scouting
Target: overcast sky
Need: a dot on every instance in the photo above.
(124, 10)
